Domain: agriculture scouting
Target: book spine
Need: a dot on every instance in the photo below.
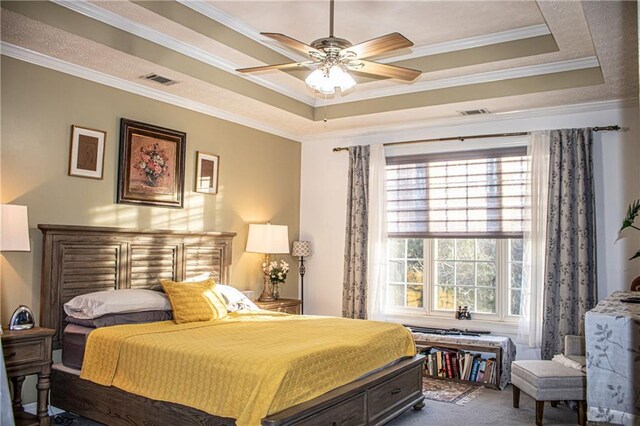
(454, 365)
(488, 371)
(481, 369)
(474, 371)
(467, 366)
(447, 358)
(439, 363)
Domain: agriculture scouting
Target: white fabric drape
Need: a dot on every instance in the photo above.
(377, 233)
(537, 199)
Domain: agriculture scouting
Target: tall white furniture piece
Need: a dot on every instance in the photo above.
(612, 330)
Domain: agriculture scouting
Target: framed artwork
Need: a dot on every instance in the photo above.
(207, 173)
(86, 156)
(151, 166)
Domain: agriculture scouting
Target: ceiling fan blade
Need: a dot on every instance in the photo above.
(289, 65)
(384, 70)
(379, 45)
(293, 44)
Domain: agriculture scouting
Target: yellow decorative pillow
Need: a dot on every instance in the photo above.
(195, 301)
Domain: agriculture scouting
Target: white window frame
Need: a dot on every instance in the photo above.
(503, 286)
(426, 316)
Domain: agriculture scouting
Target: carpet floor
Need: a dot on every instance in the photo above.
(491, 407)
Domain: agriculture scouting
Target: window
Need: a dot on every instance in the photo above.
(455, 224)
(438, 275)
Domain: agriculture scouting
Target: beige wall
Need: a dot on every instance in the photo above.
(259, 173)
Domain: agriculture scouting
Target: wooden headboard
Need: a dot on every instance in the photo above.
(83, 259)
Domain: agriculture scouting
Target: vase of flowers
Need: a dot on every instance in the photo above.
(277, 272)
(154, 163)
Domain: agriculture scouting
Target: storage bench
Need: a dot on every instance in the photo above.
(501, 346)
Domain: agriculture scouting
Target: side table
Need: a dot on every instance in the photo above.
(289, 306)
(29, 352)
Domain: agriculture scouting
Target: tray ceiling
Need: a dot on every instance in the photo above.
(502, 55)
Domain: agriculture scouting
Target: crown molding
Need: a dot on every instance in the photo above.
(471, 42)
(465, 80)
(212, 12)
(94, 11)
(55, 64)
(389, 131)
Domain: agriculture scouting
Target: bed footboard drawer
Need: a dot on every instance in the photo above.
(350, 412)
(387, 395)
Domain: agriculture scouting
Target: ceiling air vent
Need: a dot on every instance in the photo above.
(159, 79)
(475, 111)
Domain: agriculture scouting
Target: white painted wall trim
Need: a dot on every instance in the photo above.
(465, 80)
(224, 18)
(37, 58)
(471, 42)
(385, 134)
(98, 13)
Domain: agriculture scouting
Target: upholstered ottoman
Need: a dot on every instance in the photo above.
(549, 381)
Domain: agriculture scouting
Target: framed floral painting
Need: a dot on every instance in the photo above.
(151, 167)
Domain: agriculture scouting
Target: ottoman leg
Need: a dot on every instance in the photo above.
(539, 412)
(516, 397)
(582, 413)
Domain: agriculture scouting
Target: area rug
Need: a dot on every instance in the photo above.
(450, 392)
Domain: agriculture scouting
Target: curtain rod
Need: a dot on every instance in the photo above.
(494, 135)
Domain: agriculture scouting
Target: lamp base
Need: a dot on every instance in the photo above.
(266, 297)
(267, 291)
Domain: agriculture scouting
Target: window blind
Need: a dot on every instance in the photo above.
(469, 194)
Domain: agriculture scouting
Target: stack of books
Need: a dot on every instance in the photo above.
(461, 365)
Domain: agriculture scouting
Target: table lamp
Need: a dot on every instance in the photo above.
(14, 236)
(301, 249)
(267, 239)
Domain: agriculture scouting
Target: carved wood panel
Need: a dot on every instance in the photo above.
(79, 260)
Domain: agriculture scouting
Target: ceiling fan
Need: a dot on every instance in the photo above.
(334, 56)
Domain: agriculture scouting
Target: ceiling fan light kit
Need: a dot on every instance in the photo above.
(325, 82)
(334, 57)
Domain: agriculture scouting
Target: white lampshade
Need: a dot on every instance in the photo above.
(14, 228)
(320, 82)
(268, 239)
(301, 248)
(341, 78)
(326, 83)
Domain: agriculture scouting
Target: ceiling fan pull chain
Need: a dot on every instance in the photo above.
(325, 101)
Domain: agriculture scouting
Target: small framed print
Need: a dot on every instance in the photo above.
(86, 157)
(207, 173)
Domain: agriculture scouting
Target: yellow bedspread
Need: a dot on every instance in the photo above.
(245, 366)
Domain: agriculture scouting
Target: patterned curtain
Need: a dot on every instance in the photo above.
(354, 283)
(570, 277)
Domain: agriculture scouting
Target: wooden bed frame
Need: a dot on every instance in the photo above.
(80, 259)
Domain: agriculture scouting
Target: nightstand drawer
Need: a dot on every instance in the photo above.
(23, 352)
(289, 309)
(288, 306)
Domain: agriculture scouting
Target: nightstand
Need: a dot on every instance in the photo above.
(289, 306)
(29, 352)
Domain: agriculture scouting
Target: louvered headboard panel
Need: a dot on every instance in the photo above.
(83, 259)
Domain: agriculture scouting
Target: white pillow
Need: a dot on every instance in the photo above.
(97, 304)
(235, 299)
